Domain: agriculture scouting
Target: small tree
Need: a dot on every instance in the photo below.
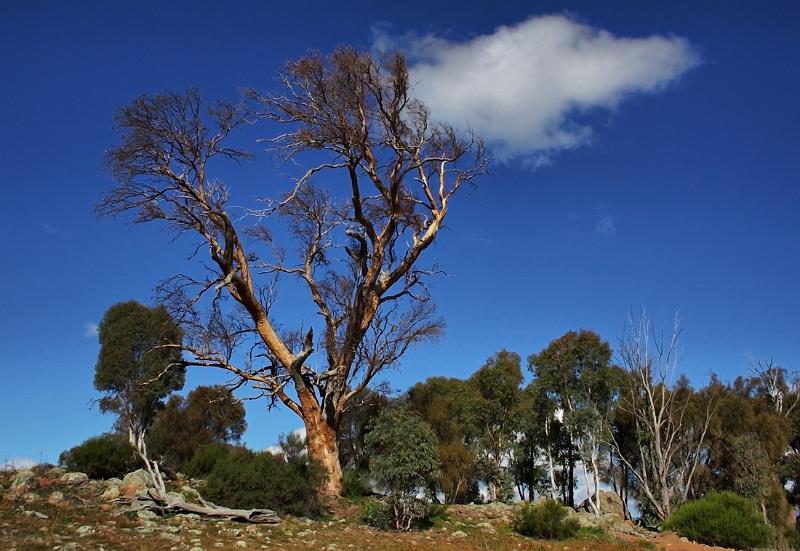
(137, 367)
(207, 415)
(403, 459)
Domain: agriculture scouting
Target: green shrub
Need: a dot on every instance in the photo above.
(722, 519)
(104, 456)
(206, 457)
(402, 512)
(263, 480)
(378, 514)
(591, 533)
(355, 483)
(546, 520)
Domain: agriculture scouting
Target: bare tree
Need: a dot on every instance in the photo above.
(356, 241)
(670, 427)
(783, 394)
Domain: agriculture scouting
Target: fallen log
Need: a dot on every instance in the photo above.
(170, 504)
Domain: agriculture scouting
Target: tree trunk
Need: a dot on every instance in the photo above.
(323, 448)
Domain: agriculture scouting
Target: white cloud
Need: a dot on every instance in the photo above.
(275, 449)
(606, 225)
(525, 87)
(90, 330)
(17, 463)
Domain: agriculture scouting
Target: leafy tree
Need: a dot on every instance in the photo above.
(575, 371)
(536, 439)
(404, 460)
(354, 425)
(497, 391)
(138, 365)
(357, 255)
(208, 414)
(444, 403)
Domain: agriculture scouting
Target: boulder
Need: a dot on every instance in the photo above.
(73, 478)
(136, 482)
(55, 497)
(54, 472)
(24, 481)
(610, 502)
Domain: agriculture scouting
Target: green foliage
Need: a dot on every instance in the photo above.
(546, 520)
(723, 519)
(104, 456)
(403, 452)
(354, 425)
(264, 480)
(208, 414)
(446, 404)
(206, 457)
(131, 369)
(378, 514)
(591, 533)
(355, 483)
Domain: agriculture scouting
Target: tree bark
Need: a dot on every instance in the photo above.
(324, 449)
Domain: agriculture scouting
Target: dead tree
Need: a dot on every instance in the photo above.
(388, 175)
(670, 428)
(771, 380)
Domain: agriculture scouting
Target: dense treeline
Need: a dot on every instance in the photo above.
(624, 420)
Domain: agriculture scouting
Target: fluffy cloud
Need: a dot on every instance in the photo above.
(90, 330)
(525, 87)
(17, 463)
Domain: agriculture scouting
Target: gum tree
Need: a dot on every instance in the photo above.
(379, 180)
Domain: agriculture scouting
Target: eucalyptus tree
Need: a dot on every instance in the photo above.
(136, 371)
(496, 394)
(575, 371)
(671, 425)
(378, 182)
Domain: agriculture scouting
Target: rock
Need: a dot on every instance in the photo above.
(73, 479)
(112, 492)
(30, 497)
(55, 497)
(146, 515)
(135, 482)
(85, 530)
(610, 502)
(54, 472)
(241, 543)
(24, 481)
(458, 534)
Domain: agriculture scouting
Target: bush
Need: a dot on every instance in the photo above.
(378, 514)
(722, 519)
(104, 456)
(263, 480)
(206, 457)
(355, 483)
(546, 520)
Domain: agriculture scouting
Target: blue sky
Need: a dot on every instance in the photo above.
(667, 178)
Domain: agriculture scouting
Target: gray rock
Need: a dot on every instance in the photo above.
(136, 482)
(111, 492)
(55, 497)
(241, 543)
(54, 472)
(146, 515)
(85, 530)
(73, 479)
(25, 478)
(458, 534)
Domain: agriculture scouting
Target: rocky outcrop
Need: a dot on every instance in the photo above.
(610, 502)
